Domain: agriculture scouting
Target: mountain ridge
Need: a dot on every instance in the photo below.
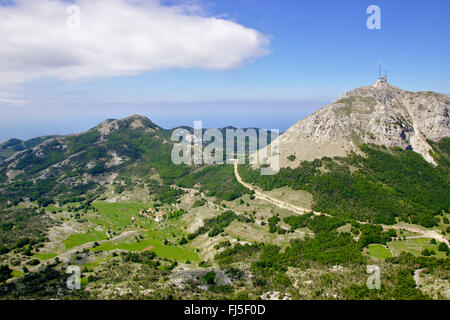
(380, 114)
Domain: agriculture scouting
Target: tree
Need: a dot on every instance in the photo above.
(443, 247)
(5, 273)
(210, 277)
(427, 253)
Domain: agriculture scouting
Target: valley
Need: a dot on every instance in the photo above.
(111, 202)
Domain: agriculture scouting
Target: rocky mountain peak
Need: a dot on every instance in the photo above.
(132, 122)
(136, 117)
(382, 91)
(379, 113)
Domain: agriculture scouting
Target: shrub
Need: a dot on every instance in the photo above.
(199, 203)
(34, 262)
(427, 253)
(443, 247)
(210, 277)
(5, 273)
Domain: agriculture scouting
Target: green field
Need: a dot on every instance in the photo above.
(378, 251)
(116, 215)
(414, 246)
(17, 273)
(165, 251)
(45, 256)
(79, 239)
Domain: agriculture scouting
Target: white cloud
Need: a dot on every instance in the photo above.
(17, 102)
(117, 37)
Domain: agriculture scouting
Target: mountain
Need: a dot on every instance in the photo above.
(8, 148)
(125, 152)
(83, 164)
(380, 114)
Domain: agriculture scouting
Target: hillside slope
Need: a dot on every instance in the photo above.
(78, 165)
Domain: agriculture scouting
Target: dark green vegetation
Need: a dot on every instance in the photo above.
(5, 273)
(166, 194)
(19, 225)
(215, 225)
(199, 203)
(270, 264)
(441, 152)
(315, 223)
(326, 248)
(217, 181)
(133, 147)
(273, 225)
(368, 233)
(443, 247)
(401, 288)
(387, 184)
(210, 277)
(50, 281)
(403, 284)
(374, 234)
(12, 146)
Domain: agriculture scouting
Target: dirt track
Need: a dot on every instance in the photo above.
(424, 233)
(299, 210)
(277, 202)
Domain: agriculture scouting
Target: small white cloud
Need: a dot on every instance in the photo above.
(17, 102)
(117, 37)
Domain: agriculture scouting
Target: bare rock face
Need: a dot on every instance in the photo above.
(380, 113)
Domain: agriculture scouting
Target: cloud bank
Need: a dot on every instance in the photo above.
(116, 38)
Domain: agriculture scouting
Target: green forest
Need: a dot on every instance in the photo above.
(385, 185)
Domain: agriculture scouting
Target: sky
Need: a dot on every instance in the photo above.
(66, 65)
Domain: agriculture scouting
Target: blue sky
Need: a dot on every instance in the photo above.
(315, 51)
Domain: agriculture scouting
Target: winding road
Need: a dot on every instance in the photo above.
(299, 210)
(423, 233)
(275, 201)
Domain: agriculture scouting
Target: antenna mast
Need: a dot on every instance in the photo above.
(379, 70)
(380, 77)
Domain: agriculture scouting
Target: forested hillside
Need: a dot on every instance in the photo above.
(384, 185)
